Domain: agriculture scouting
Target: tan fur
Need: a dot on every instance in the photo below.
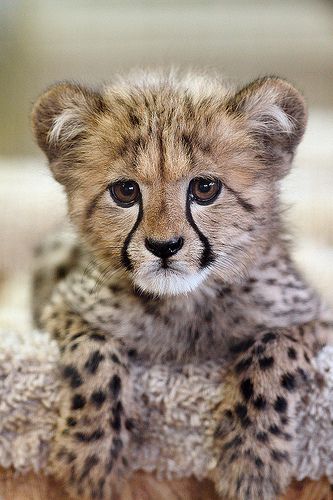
(230, 285)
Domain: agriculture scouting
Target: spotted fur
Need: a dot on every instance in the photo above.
(231, 293)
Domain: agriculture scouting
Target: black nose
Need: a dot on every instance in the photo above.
(164, 249)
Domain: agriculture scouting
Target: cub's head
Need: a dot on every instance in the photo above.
(172, 180)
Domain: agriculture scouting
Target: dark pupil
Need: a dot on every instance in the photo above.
(127, 189)
(205, 186)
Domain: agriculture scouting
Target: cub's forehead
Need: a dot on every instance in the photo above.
(163, 132)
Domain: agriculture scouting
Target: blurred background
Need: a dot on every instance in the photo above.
(42, 41)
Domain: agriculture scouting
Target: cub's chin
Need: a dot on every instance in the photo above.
(166, 282)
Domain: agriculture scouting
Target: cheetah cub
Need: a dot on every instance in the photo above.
(178, 256)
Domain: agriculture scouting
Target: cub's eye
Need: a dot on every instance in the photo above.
(125, 193)
(204, 191)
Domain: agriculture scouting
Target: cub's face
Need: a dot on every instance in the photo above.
(172, 180)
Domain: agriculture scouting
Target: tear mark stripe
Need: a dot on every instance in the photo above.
(126, 261)
(207, 256)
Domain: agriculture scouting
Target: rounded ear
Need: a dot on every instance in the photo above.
(60, 119)
(275, 114)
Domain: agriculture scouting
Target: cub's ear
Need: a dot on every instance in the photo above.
(61, 117)
(275, 114)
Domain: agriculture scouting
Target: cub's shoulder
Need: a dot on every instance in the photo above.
(55, 257)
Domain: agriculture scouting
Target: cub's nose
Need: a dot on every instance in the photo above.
(164, 249)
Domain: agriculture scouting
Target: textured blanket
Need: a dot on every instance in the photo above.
(171, 419)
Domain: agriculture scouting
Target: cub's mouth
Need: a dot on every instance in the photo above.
(165, 277)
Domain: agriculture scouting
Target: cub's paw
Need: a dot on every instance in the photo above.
(254, 426)
(89, 452)
(244, 475)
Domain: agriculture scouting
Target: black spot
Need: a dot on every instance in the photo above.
(187, 142)
(132, 353)
(228, 414)
(71, 422)
(246, 388)
(262, 437)
(260, 403)
(208, 316)
(86, 437)
(279, 456)
(247, 289)
(284, 420)
(291, 338)
(292, 354)
(115, 358)
(77, 336)
(274, 429)
(129, 424)
(151, 308)
(259, 463)
(71, 373)
(241, 410)
(245, 422)
(280, 404)
(266, 362)
(89, 463)
(61, 273)
(115, 386)
(68, 324)
(259, 349)
(61, 453)
(115, 423)
(235, 442)
(56, 334)
(225, 291)
(78, 402)
(71, 457)
(108, 466)
(134, 119)
(145, 399)
(115, 288)
(242, 346)
(98, 398)
(74, 347)
(117, 408)
(306, 357)
(288, 381)
(268, 337)
(99, 337)
(243, 365)
(116, 447)
(303, 374)
(93, 362)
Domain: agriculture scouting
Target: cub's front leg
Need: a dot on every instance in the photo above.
(254, 427)
(89, 450)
